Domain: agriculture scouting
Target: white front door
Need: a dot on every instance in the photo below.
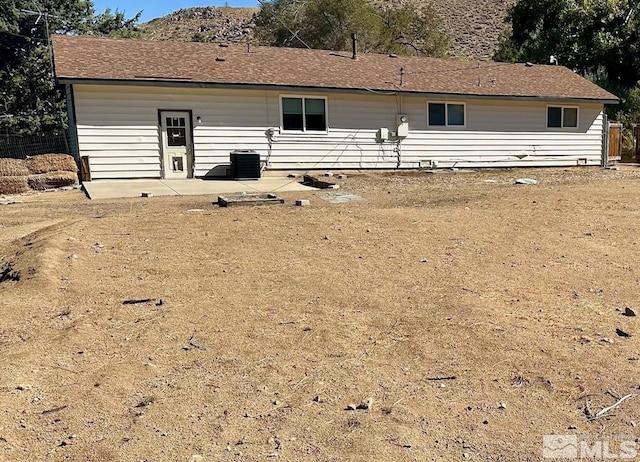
(177, 146)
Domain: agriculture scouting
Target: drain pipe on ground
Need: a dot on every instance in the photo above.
(269, 132)
(398, 150)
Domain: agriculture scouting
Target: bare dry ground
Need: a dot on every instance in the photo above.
(275, 319)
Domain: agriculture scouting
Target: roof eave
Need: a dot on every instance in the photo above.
(282, 87)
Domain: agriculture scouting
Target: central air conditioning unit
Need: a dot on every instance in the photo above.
(245, 165)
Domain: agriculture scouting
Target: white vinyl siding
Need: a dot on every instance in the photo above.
(118, 130)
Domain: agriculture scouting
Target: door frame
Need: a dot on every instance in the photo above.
(191, 173)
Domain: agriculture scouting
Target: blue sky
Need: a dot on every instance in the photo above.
(154, 9)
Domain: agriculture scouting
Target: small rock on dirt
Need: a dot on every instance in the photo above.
(622, 333)
(351, 407)
(628, 311)
(146, 194)
(303, 202)
(365, 405)
(526, 181)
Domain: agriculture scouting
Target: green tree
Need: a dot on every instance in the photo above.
(116, 24)
(328, 24)
(600, 39)
(30, 101)
(597, 38)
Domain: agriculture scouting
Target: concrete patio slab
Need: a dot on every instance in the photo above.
(114, 189)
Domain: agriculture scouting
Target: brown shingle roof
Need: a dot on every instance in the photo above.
(92, 58)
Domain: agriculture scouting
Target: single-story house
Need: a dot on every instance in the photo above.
(151, 109)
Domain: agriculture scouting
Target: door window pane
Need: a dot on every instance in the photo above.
(455, 114)
(176, 136)
(437, 114)
(570, 118)
(292, 114)
(554, 117)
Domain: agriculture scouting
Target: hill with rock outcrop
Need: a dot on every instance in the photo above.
(473, 27)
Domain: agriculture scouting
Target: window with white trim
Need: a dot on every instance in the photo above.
(441, 114)
(303, 114)
(562, 117)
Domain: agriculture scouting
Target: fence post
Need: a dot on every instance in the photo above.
(636, 135)
(605, 140)
(73, 129)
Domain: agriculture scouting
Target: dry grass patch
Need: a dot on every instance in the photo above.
(13, 167)
(442, 315)
(52, 180)
(13, 184)
(46, 163)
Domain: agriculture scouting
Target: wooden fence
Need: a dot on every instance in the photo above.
(615, 141)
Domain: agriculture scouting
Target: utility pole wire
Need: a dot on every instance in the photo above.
(46, 16)
(294, 35)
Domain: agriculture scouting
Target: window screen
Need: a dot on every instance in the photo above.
(437, 116)
(292, 117)
(455, 114)
(315, 117)
(570, 117)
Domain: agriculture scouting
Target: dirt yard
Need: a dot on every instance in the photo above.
(469, 316)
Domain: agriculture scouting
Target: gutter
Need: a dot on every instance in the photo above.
(181, 83)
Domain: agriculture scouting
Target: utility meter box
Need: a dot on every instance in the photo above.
(403, 125)
(382, 135)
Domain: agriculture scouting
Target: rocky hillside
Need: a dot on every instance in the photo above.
(205, 24)
(473, 26)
